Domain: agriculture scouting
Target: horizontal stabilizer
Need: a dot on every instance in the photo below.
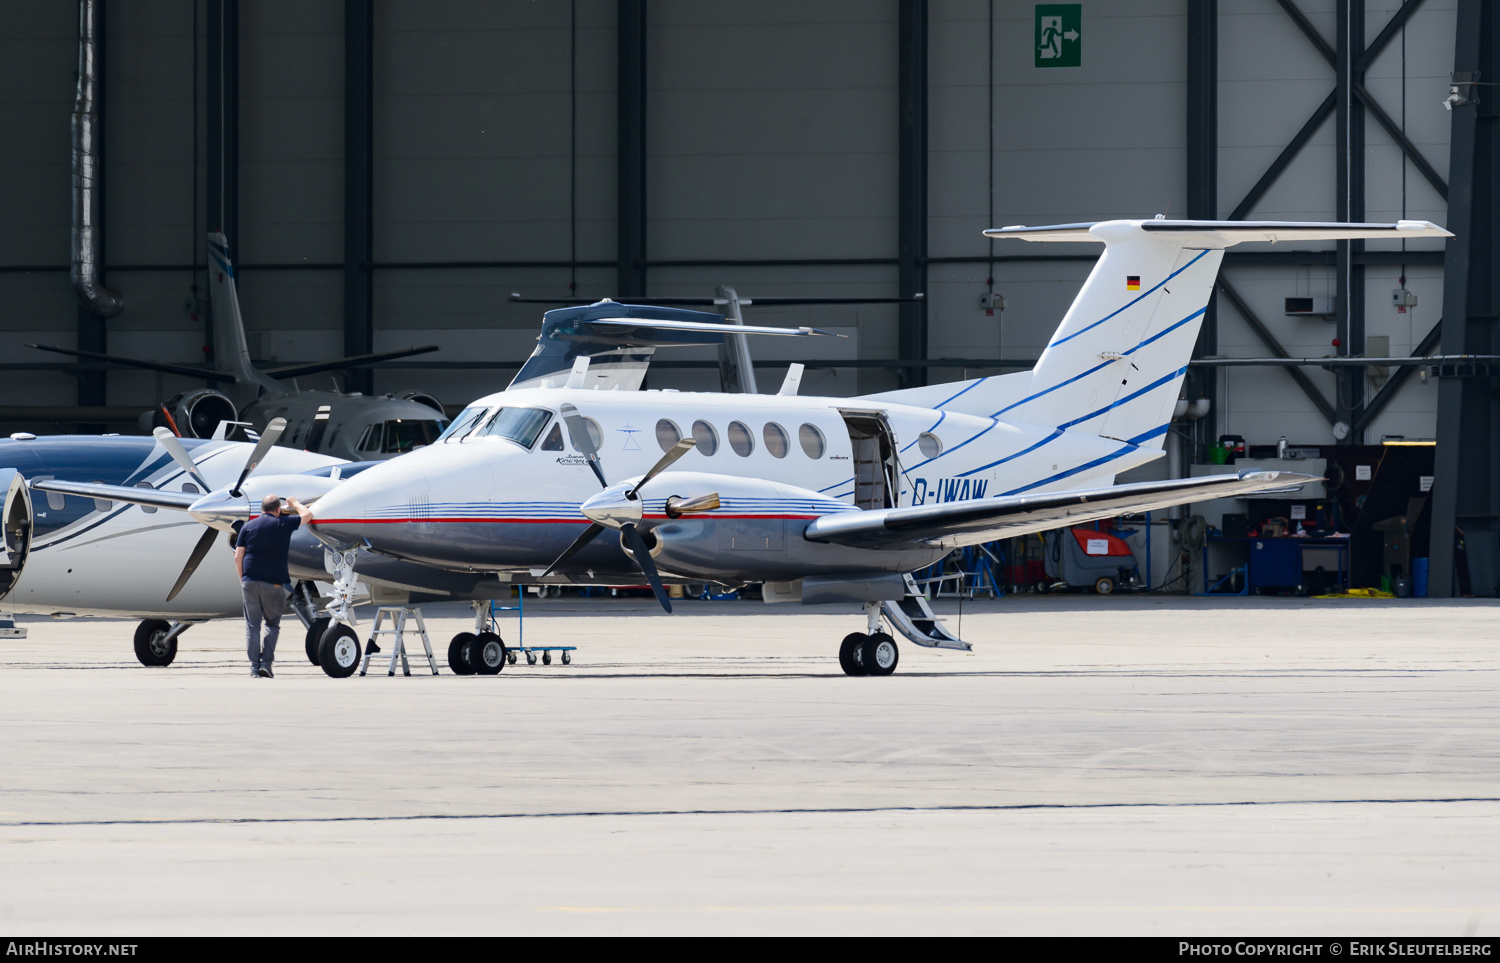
(956, 524)
(179, 501)
(1220, 234)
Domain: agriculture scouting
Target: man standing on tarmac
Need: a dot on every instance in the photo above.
(260, 558)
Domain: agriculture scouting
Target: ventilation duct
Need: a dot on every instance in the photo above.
(87, 173)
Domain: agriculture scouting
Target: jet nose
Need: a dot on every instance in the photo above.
(338, 518)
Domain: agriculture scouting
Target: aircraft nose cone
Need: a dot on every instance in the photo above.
(611, 508)
(338, 518)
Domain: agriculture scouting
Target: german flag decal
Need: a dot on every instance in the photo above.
(1132, 282)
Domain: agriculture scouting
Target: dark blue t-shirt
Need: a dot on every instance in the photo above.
(265, 539)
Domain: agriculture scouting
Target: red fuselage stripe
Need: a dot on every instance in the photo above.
(510, 521)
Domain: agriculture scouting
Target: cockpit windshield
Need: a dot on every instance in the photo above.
(399, 436)
(464, 423)
(520, 425)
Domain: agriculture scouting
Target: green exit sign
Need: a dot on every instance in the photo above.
(1059, 35)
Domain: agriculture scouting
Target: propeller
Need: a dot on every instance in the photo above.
(179, 454)
(631, 537)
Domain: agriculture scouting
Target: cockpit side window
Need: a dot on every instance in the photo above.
(554, 440)
(520, 425)
(464, 423)
(372, 438)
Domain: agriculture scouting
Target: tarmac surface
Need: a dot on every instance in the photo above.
(1133, 765)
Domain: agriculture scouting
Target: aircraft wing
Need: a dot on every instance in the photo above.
(1218, 234)
(119, 493)
(186, 371)
(339, 364)
(955, 524)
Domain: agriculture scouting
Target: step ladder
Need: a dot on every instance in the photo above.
(914, 618)
(394, 618)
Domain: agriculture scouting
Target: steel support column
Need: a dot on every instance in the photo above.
(1464, 492)
(1349, 120)
(911, 135)
(92, 332)
(630, 94)
(359, 187)
(222, 185)
(1203, 178)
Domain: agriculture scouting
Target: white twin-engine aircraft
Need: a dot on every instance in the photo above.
(821, 499)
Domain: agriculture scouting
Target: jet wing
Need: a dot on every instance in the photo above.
(955, 524)
(1218, 234)
(186, 371)
(339, 364)
(119, 493)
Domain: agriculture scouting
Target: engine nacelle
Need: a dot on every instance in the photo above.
(198, 413)
(423, 398)
(15, 528)
(754, 534)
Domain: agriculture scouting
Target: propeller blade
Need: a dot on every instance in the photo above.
(582, 440)
(267, 439)
(589, 534)
(643, 558)
(205, 542)
(179, 454)
(675, 452)
(677, 505)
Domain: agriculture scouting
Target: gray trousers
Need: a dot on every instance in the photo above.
(263, 600)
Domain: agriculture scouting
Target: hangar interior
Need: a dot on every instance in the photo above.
(389, 174)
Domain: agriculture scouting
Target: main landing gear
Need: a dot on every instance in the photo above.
(156, 641)
(872, 653)
(480, 652)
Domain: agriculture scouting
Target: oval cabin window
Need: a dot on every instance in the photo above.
(929, 445)
(812, 441)
(667, 434)
(706, 437)
(776, 440)
(740, 439)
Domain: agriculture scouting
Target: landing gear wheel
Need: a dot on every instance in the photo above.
(880, 655)
(151, 645)
(567, 657)
(1104, 586)
(315, 636)
(458, 653)
(546, 658)
(531, 658)
(486, 654)
(851, 651)
(339, 652)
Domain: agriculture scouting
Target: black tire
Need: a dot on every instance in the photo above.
(339, 651)
(880, 654)
(531, 658)
(546, 658)
(315, 637)
(458, 653)
(1104, 586)
(150, 647)
(567, 657)
(851, 652)
(487, 654)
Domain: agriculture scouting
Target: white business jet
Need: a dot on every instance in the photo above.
(823, 500)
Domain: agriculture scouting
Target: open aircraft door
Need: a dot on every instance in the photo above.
(15, 528)
(876, 472)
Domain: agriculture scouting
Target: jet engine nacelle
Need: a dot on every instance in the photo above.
(15, 528)
(197, 413)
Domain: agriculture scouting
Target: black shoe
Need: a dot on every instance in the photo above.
(265, 672)
(254, 672)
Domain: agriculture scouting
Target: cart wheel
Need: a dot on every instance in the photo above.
(1043, 587)
(510, 657)
(1104, 586)
(531, 658)
(567, 657)
(546, 658)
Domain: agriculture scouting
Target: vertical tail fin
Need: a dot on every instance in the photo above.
(231, 352)
(1115, 365)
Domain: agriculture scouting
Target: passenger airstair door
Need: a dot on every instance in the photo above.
(874, 457)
